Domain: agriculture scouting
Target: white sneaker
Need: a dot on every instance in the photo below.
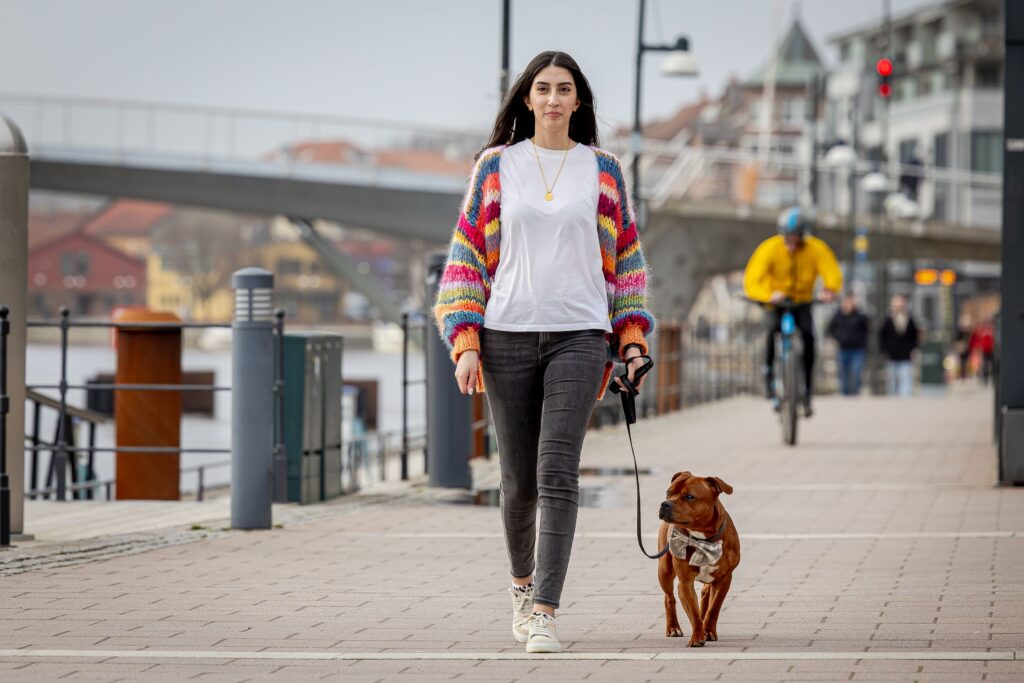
(542, 636)
(522, 608)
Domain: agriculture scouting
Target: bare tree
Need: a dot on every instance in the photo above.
(204, 247)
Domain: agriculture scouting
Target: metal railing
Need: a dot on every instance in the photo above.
(737, 179)
(126, 128)
(64, 453)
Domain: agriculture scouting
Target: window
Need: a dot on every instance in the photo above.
(792, 110)
(907, 150)
(987, 151)
(988, 75)
(924, 85)
(287, 266)
(942, 150)
(992, 23)
(74, 263)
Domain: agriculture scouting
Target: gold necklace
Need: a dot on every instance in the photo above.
(548, 196)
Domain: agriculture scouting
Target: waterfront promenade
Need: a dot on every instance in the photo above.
(878, 549)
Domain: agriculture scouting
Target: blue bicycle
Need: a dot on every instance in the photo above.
(789, 392)
(788, 384)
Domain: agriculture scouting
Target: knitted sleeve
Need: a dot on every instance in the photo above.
(465, 283)
(630, 319)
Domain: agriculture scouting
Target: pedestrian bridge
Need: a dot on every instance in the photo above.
(707, 207)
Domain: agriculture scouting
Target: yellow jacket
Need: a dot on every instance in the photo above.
(772, 268)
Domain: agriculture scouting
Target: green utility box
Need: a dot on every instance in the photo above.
(933, 356)
(312, 415)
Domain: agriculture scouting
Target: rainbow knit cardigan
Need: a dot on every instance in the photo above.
(475, 250)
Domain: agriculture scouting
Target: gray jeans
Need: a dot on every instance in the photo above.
(541, 389)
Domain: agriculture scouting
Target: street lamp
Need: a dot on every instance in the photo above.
(680, 62)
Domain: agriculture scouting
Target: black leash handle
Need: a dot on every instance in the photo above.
(628, 396)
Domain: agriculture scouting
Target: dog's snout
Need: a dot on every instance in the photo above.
(665, 510)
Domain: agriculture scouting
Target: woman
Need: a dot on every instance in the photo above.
(545, 280)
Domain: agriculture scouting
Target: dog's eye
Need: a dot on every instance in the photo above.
(690, 497)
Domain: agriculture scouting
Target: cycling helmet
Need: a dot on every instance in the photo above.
(795, 221)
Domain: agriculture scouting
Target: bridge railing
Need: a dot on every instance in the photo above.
(204, 134)
(731, 176)
(199, 136)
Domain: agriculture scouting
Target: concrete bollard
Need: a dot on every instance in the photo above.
(14, 163)
(449, 416)
(252, 400)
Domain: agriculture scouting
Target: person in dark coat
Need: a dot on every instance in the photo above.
(898, 340)
(849, 327)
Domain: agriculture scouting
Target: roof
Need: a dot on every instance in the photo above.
(47, 227)
(424, 161)
(797, 61)
(96, 242)
(127, 217)
(429, 160)
(322, 152)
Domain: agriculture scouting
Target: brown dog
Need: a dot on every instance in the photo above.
(704, 546)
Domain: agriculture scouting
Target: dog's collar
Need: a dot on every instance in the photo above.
(710, 539)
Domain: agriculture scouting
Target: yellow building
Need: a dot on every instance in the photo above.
(302, 286)
(170, 290)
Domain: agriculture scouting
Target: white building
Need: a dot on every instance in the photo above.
(946, 108)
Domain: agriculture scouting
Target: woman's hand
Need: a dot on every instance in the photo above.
(633, 361)
(465, 371)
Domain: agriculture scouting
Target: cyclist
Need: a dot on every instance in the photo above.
(786, 267)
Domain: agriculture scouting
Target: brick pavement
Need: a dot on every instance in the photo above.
(878, 549)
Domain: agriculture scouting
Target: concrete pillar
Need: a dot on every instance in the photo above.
(14, 295)
(252, 400)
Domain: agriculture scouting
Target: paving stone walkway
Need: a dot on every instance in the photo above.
(879, 548)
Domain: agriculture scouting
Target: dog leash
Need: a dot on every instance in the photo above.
(628, 396)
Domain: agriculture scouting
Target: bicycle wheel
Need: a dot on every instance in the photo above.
(791, 395)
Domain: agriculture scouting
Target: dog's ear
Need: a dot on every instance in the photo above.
(681, 475)
(719, 485)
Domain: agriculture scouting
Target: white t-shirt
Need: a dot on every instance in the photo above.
(549, 276)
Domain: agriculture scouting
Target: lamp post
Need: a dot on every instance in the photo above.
(680, 62)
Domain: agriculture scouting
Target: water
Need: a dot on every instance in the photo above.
(43, 367)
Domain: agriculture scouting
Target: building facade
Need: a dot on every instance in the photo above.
(943, 121)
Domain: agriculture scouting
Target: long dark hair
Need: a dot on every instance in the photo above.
(515, 122)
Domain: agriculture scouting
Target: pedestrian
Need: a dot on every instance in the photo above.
(962, 344)
(545, 283)
(849, 327)
(898, 340)
(983, 343)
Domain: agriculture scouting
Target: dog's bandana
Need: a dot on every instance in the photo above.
(705, 552)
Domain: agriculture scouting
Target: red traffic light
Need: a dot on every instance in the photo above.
(884, 90)
(884, 67)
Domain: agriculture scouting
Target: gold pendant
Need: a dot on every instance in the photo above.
(549, 196)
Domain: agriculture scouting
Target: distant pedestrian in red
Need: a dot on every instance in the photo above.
(983, 342)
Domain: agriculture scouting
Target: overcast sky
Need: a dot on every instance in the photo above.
(432, 61)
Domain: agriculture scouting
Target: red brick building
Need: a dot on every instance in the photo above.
(85, 274)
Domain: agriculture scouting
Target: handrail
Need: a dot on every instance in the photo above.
(50, 402)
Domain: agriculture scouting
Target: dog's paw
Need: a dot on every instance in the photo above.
(675, 632)
(711, 636)
(696, 643)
